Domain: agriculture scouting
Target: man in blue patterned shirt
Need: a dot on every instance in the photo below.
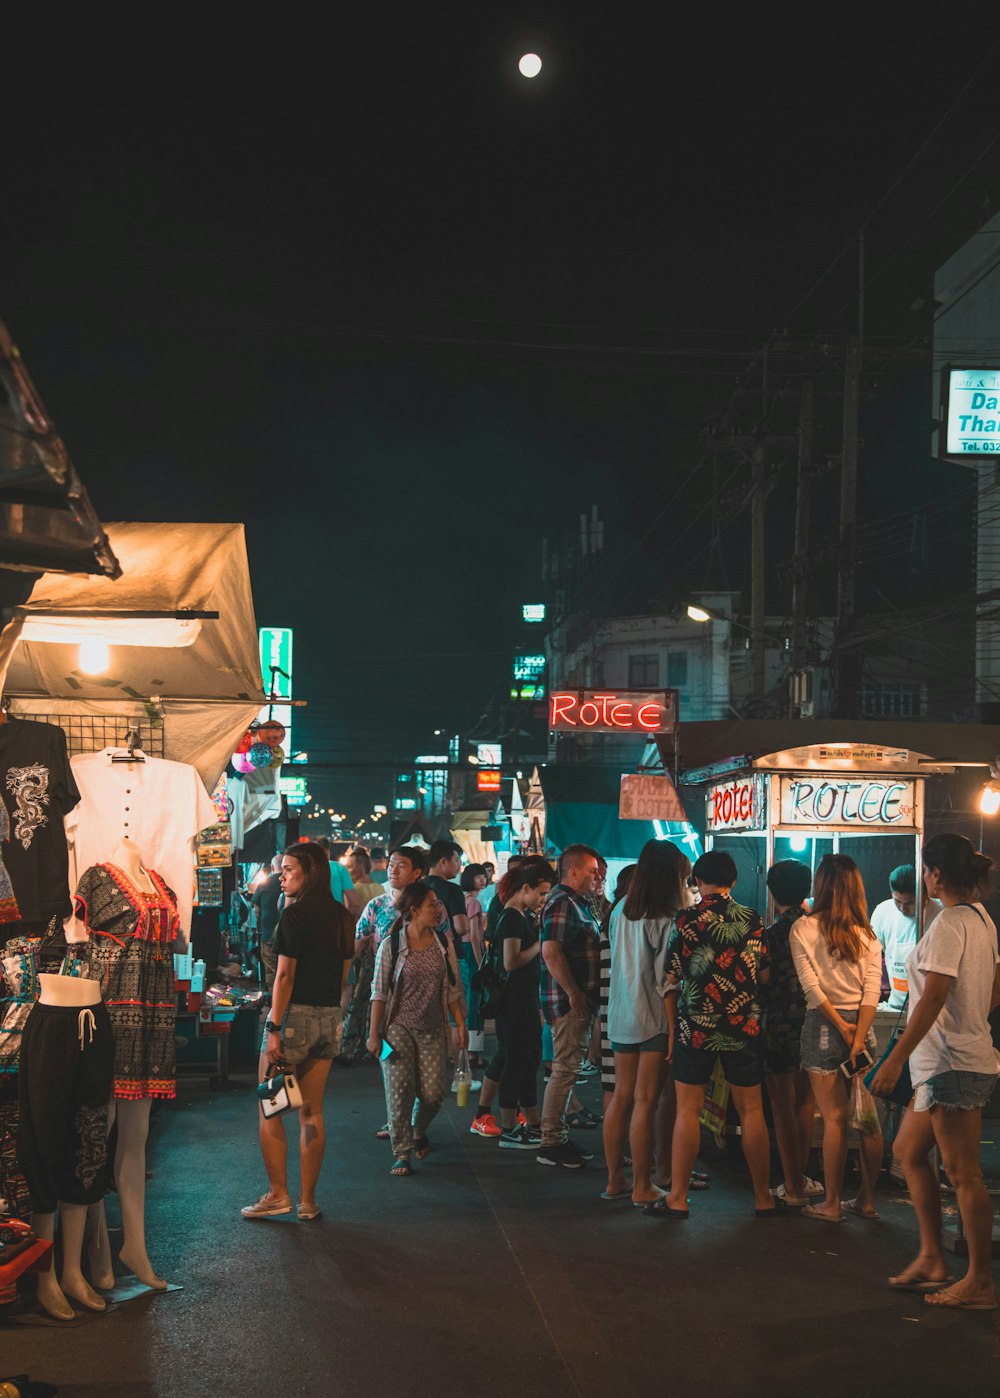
(568, 992)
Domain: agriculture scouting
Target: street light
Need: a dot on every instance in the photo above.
(698, 613)
(989, 797)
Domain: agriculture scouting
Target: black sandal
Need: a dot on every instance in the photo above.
(422, 1147)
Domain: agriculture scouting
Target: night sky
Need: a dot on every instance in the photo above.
(405, 313)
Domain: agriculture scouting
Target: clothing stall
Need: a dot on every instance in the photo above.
(123, 701)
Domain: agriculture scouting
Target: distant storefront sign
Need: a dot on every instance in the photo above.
(533, 611)
(847, 801)
(736, 805)
(489, 754)
(645, 797)
(487, 781)
(276, 667)
(294, 790)
(528, 675)
(621, 711)
(971, 402)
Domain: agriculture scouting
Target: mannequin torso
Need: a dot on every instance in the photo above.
(68, 990)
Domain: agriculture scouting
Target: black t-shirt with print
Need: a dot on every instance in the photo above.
(38, 790)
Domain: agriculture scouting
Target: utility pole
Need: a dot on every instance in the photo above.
(846, 662)
(800, 578)
(757, 552)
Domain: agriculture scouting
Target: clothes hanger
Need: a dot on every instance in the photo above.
(131, 751)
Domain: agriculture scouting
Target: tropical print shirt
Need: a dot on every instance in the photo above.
(717, 952)
(378, 916)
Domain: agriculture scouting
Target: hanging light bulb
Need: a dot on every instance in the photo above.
(989, 798)
(95, 655)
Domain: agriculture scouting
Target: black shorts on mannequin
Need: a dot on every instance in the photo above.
(66, 1069)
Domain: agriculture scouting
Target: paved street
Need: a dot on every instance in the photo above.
(484, 1273)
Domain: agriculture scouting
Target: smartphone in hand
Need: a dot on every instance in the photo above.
(860, 1063)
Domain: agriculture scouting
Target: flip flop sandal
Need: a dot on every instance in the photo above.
(422, 1147)
(382, 1134)
(619, 1194)
(401, 1166)
(948, 1301)
(661, 1209)
(701, 1176)
(780, 1210)
(920, 1284)
(810, 1212)
(582, 1120)
(850, 1206)
(698, 1182)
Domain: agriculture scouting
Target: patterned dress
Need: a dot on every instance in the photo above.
(132, 935)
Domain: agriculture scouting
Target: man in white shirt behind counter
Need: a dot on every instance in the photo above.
(894, 923)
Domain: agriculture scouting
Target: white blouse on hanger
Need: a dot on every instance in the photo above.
(157, 804)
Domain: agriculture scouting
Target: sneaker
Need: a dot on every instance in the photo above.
(485, 1125)
(534, 1134)
(517, 1138)
(560, 1156)
(587, 1069)
(578, 1151)
(522, 1120)
(266, 1207)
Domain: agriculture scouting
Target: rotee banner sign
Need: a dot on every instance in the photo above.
(848, 801)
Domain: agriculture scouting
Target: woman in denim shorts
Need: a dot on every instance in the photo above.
(954, 979)
(314, 943)
(838, 961)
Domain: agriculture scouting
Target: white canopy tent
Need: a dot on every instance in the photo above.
(178, 636)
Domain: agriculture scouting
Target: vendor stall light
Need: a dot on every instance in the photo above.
(95, 655)
(698, 614)
(989, 798)
(473, 759)
(798, 843)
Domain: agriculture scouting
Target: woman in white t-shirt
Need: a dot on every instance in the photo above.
(954, 979)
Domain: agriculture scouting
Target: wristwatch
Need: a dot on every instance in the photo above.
(271, 1028)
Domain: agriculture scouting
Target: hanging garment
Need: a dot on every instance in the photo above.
(132, 935)
(159, 805)
(38, 791)
(67, 1055)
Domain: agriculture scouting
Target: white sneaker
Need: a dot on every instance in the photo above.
(266, 1207)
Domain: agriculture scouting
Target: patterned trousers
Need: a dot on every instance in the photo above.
(417, 1069)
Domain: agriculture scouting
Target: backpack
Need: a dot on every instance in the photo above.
(490, 979)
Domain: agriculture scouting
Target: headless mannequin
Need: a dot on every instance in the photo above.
(66, 990)
(130, 1156)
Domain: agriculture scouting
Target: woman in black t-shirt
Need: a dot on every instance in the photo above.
(519, 1025)
(314, 944)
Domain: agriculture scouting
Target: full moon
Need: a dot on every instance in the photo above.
(530, 65)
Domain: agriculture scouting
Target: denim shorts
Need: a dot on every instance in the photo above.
(955, 1091)
(309, 1031)
(657, 1044)
(821, 1047)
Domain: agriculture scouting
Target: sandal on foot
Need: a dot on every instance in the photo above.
(780, 1210)
(422, 1147)
(700, 1176)
(618, 1194)
(698, 1181)
(401, 1166)
(948, 1301)
(919, 1282)
(810, 1211)
(850, 1206)
(661, 1209)
(382, 1134)
(583, 1120)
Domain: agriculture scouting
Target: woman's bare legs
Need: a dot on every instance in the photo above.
(312, 1074)
(663, 1131)
(957, 1134)
(787, 1110)
(273, 1143)
(616, 1119)
(831, 1098)
(648, 1082)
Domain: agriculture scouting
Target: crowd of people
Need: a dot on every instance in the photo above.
(672, 986)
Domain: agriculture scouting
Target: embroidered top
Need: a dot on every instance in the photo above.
(37, 791)
(110, 905)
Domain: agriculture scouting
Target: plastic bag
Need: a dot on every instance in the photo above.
(862, 1115)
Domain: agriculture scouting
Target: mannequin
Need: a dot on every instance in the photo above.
(66, 991)
(130, 1112)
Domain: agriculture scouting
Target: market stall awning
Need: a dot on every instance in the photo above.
(581, 807)
(180, 638)
(741, 742)
(46, 518)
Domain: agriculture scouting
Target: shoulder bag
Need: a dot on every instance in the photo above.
(903, 1091)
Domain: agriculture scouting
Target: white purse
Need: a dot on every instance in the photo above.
(279, 1094)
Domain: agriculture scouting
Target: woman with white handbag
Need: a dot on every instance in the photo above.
(314, 944)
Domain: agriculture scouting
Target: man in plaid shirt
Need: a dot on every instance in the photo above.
(570, 976)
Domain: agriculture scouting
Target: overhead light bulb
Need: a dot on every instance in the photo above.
(798, 843)
(95, 655)
(698, 614)
(989, 798)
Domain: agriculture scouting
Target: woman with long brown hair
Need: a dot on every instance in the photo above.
(314, 944)
(838, 961)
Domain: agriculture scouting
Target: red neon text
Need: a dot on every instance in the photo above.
(732, 805)
(604, 711)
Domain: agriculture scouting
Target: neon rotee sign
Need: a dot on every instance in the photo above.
(605, 711)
